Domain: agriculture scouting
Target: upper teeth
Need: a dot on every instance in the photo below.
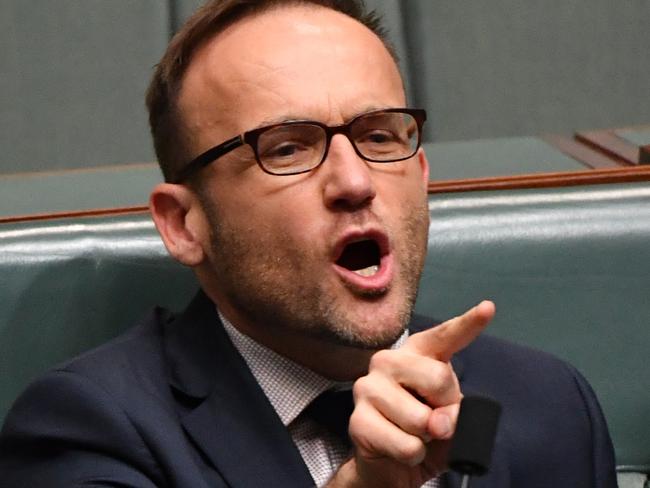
(369, 271)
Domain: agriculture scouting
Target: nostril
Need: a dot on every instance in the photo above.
(350, 202)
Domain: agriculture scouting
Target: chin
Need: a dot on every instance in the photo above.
(369, 328)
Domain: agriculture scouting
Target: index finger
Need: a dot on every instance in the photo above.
(444, 340)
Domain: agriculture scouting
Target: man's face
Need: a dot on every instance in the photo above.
(334, 254)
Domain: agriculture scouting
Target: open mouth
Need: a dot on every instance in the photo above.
(363, 257)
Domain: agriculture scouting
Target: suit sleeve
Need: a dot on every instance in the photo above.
(603, 460)
(65, 431)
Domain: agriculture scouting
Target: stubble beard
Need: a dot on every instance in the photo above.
(279, 292)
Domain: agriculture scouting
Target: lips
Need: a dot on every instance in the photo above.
(363, 261)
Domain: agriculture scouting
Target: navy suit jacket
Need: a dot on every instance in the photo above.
(172, 404)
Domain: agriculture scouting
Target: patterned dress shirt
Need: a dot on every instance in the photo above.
(290, 388)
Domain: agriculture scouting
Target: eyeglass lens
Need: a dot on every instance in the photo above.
(291, 148)
(378, 137)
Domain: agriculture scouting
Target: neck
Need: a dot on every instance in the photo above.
(332, 361)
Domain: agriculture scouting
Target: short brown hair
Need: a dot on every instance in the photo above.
(171, 142)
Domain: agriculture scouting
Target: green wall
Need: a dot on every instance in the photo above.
(73, 72)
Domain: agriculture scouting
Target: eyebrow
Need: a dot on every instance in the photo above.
(289, 118)
(278, 120)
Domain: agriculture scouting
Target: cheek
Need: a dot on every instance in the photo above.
(286, 225)
(404, 193)
(298, 231)
(293, 209)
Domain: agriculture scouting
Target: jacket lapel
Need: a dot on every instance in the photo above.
(223, 409)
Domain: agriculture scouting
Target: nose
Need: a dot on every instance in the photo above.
(348, 182)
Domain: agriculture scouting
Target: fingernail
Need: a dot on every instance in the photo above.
(445, 426)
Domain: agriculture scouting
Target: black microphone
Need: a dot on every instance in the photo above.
(471, 446)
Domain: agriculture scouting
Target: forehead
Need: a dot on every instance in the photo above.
(298, 61)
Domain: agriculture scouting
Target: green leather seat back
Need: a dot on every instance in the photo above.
(68, 285)
(569, 271)
(568, 268)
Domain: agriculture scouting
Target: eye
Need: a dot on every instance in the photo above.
(290, 147)
(283, 150)
(379, 141)
(285, 155)
(378, 136)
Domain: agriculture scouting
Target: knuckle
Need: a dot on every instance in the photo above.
(382, 360)
(418, 420)
(362, 388)
(359, 425)
(442, 379)
(447, 376)
(411, 451)
(442, 386)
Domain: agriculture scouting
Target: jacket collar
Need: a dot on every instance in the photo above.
(229, 417)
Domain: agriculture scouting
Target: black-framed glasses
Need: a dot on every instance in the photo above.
(290, 148)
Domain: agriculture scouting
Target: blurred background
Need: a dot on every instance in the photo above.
(73, 72)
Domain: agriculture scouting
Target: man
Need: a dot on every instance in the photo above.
(297, 191)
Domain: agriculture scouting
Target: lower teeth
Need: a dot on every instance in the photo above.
(369, 271)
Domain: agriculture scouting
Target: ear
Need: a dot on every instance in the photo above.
(424, 167)
(178, 217)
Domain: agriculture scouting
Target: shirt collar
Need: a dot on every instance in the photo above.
(289, 386)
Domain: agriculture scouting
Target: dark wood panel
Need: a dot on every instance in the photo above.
(644, 154)
(609, 143)
(81, 213)
(547, 180)
(587, 155)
